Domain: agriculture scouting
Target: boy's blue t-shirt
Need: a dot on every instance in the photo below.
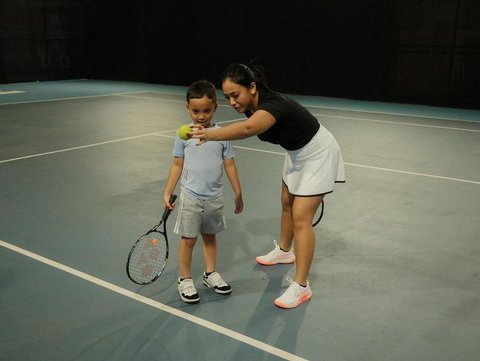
(203, 166)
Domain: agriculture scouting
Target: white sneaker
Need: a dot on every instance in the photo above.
(276, 256)
(294, 296)
(215, 281)
(188, 292)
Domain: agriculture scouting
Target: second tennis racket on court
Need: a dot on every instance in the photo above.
(318, 214)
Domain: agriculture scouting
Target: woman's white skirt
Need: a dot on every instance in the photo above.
(315, 168)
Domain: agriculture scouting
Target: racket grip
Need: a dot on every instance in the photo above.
(167, 212)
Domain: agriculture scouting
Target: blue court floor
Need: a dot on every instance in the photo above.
(83, 166)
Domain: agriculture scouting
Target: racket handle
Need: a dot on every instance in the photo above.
(167, 212)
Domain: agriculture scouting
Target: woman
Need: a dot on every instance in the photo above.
(313, 163)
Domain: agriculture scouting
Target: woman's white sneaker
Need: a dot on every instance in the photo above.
(276, 256)
(294, 296)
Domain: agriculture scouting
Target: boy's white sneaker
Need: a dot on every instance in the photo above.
(276, 256)
(188, 292)
(294, 296)
(215, 281)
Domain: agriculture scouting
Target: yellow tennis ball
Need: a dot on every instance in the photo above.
(183, 132)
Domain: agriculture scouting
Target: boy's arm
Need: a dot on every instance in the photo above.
(173, 177)
(231, 170)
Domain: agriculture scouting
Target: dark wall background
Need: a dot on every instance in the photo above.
(42, 40)
(423, 51)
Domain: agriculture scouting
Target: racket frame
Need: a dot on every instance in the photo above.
(319, 218)
(163, 221)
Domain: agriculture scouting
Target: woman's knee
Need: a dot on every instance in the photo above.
(301, 221)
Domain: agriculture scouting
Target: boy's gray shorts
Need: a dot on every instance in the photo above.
(196, 216)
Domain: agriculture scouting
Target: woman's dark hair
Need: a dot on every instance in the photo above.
(246, 74)
(202, 88)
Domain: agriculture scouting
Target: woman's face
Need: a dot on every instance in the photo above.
(238, 96)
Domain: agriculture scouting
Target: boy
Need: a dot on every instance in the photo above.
(201, 198)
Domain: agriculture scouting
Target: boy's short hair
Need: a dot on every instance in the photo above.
(202, 88)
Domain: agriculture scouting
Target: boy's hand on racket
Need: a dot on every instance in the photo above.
(198, 132)
(166, 201)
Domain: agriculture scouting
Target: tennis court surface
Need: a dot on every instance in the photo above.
(83, 165)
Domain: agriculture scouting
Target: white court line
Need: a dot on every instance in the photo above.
(414, 173)
(345, 109)
(71, 98)
(399, 123)
(79, 147)
(380, 168)
(391, 113)
(222, 105)
(158, 305)
(131, 95)
(160, 134)
(358, 165)
(350, 118)
(167, 100)
(95, 144)
(6, 92)
(341, 109)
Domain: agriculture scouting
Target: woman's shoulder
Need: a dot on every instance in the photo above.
(278, 103)
(269, 96)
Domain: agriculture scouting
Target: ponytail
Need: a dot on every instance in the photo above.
(246, 75)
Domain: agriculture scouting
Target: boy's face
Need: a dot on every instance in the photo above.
(201, 111)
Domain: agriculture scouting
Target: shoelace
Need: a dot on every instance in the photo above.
(295, 289)
(279, 249)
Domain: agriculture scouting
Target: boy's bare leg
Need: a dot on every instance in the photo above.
(210, 251)
(185, 251)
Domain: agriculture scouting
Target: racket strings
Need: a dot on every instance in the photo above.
(149, 258)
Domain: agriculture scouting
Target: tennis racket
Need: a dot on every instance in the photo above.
(148, 257)
(318, 214)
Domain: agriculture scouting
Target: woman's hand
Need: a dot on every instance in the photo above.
(198, 132)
